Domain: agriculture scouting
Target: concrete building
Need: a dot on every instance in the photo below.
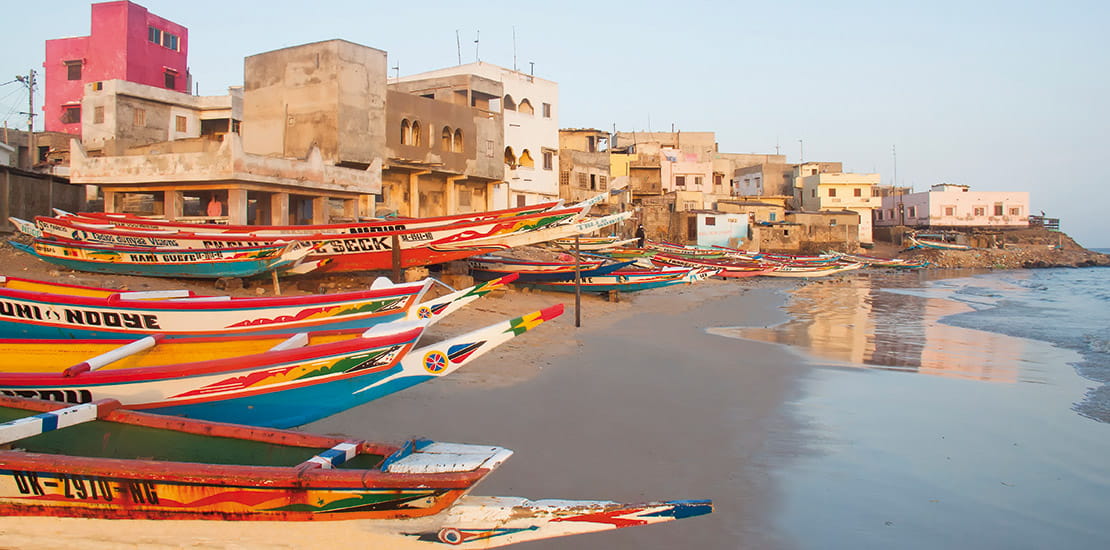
(838, 191)
(126, 42)
(774, 178)
(444, 144)
(955, 206)
(7, 155)
(585, 167)
(530, 111)
(311, 152)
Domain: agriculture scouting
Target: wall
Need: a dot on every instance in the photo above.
(116, 48)
(930, 209)
(481, 132)
(29, 194)
(721, 229)
(328, 94)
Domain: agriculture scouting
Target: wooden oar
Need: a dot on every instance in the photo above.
(53, 420)
(105, 358)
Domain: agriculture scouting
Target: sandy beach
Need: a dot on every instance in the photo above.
(637, 404)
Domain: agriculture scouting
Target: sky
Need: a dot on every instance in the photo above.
(999, 96)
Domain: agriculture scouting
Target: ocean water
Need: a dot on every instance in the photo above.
(949, 409)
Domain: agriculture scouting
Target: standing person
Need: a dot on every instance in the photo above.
(215, 208)
(641, 236)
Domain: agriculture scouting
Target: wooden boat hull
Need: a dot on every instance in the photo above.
(130, 476)
(36, 309)
(628, 281)
(151, 262)
(803, 272)
(277, 388)
(343, 252)
(487, 267)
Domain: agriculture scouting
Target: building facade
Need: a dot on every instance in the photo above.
(530, 118)
(955, 206)
(126, 42)
(584, 165)
(838, 191)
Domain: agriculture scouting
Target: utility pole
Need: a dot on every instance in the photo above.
(29, 82)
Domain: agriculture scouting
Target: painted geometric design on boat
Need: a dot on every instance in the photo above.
(47, 489)
(460, 352)
(435, 362)
(293, 373)
(503, 228)
(455, 536)
(425, 312)
(377, 306)
(523, 324)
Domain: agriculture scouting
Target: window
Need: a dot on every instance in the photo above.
(171, 81)
(416, 134)
(1015, 211)
(710, 220)
(510, 158)
(912, 212)
(520, 201)
(162, 38)
(564, 178)
(980, 211)
(154, 35)
(182, 125)
(509, 104)
(464, 197)
(697, 182)
(445, 139)
(832, 223)
(813, 193)
(138, 119)
(832, 191)
(680, 181)
(98, 115)
(526, 107)
(593, 182)
(489, 148)
(406, 131)
(997, 209)
(875, 192)
(949, 211)
(169, 41)
(583, 180)
(718, 180)
(879, 215)
(73, 70)
(546, 110)
(857, 192)
(526, 160)
(71, 114)
(548, 160)
(601, 181)
(772, 216)
(457, 141)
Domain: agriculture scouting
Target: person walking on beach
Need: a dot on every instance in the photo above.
(641, 236)
(215, 208)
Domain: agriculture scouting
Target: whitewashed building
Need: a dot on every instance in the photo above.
(948, 205)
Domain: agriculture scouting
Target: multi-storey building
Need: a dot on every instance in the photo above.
(584, 164)
(126, 42)
(838, 191)
(955, 206)
(530, 117)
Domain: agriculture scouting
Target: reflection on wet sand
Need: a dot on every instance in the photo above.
(839, 320)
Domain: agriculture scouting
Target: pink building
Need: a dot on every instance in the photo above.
(126, 42)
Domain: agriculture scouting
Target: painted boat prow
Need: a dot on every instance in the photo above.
(447, 356)
(490, 522)
(438, 308)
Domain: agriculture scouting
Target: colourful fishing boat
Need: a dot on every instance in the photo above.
(629, 280)
(594, 244)
(685, 250)
(488, 267)
(165, 262)
(38, 309)
(728, 268)
(874, 261)
(804, 271)
(264, 382)
(343, 252)
(88, 467)
(131, 221)
(916, 241)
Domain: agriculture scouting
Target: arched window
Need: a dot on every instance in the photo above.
(406, 134)
(526, 159)
(456, 143)
(526, 107)
(445, 139)
(509, 104)
(416, 133)
(510, 158)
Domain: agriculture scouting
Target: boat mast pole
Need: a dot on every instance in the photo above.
(577, 283)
